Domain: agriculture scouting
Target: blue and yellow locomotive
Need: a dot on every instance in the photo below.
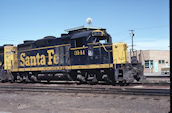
(84, 54)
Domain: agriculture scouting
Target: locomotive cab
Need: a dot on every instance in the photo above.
(90, 45)
(84, 36)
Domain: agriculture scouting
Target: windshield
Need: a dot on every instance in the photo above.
(102, 40)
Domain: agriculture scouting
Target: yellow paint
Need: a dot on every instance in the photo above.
(102, 46)
(78, 48)
(27, 61)
(22, 55)
(90, 44)
(38, 59)
(50, 57)
(120, 55)
(42, 61)
(44, 47)
(56, 59)
(97, 31)
(10, 58)
(79, 52)
(93, 43)
(94, 66)
(32, 60)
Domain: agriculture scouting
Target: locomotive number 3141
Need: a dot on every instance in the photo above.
(79, 52)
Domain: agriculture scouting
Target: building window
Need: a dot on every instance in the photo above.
(161, 61)
(148, 63)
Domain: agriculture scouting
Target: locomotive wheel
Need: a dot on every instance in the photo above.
(25, 78)
(113, 83)
(123, 83)
(12, 80)
(81, 79)
(94, 81)
(33, 79)
(106, 78)
(69, 77)
(48, 81)
(3, 81)
(19, 79)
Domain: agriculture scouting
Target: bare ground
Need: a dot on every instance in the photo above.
(42, 102)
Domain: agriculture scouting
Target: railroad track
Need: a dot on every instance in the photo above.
(89, 89)
(152, 84)
(157, 76)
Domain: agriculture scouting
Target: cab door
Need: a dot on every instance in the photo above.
(78, 52)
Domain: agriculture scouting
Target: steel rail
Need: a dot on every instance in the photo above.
(97, 90)
(151, 83)
(157, 76)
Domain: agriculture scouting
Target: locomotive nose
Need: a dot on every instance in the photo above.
(120, 55)
(138, 72)
(136, 77)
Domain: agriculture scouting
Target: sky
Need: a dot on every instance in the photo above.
(34, 19)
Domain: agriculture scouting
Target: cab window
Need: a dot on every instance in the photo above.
(79, 42)
(102, 40)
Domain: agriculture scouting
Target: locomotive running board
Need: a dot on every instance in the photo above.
(73, 67)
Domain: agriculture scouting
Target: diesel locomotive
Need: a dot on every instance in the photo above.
(84, 54)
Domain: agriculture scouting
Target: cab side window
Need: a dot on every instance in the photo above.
(79, 42)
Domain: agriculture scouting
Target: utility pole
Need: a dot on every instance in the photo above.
(132, 35)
